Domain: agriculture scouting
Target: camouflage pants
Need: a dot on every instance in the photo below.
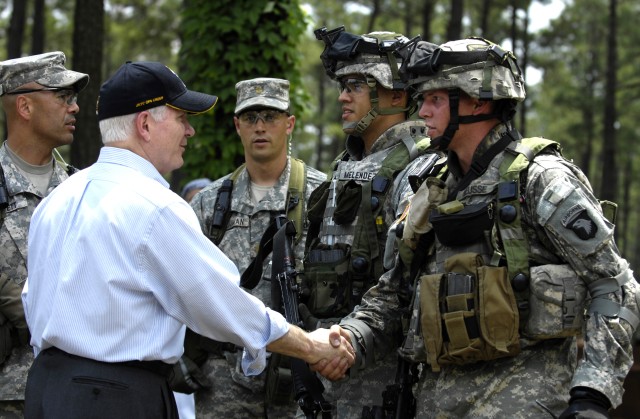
(233, 395)
(505, 388)
(11, 409)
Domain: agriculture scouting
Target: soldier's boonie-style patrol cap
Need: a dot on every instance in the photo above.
(141, 85)
(262, 92)
(45, 69)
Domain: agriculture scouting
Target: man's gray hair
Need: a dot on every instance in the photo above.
(119, 128)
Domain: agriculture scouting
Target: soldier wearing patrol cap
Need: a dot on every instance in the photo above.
(38, 95)
(270, 182)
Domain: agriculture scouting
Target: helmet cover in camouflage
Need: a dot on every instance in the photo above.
(432, 68)
(262, 93)
(368, 54)
(45, 69)
(376, 66)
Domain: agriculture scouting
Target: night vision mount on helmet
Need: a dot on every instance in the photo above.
(373, 56)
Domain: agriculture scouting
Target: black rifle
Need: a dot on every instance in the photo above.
(284, 296)
(398, 401)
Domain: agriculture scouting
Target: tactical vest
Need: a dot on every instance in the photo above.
(482, 303)
(295, 209)
(337, 274)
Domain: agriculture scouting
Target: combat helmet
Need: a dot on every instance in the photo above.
(476, 66)
(372, 55)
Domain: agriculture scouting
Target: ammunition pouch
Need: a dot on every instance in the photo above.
(557, 300)
(317, 201)
(469, 313)
(326, 276)
(348, 201)
(464, 226)
(279, 381)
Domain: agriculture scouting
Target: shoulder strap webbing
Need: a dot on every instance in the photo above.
(221, 209)
(296, 195)
(391, 165)
(252, 275)
(517, 158)
(295, 200)
(295, 212)
(480, 165)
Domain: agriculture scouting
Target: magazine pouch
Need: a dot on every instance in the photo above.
(469, 313)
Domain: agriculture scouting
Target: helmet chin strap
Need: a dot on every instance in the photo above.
(360, 126)
(442, 142)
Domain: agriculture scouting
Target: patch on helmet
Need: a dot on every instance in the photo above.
(578, 220)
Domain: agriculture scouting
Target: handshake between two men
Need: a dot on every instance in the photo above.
(327, 351)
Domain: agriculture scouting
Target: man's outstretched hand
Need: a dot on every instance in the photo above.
(334, 368)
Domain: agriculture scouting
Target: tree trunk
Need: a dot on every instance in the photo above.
(407, 17)
(622, 222)
(454, 29)
(375, 12)
(427, 17)
(320, 160)
(88, 40)
(524, 62)
(484, 17)
(16, 29)
(15, 32)
(38, 32)
(609, 186)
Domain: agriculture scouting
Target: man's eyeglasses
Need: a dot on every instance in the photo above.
(268, 117)
(67, 96)
(356, 86)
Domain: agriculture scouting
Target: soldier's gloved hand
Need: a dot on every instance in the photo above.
(586, 403)
(310, 322)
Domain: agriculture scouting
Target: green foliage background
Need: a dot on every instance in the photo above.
(226, 41)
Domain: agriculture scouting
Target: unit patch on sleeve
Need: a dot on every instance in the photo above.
(578, 220)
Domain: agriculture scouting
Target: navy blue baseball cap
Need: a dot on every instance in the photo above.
(141, 85)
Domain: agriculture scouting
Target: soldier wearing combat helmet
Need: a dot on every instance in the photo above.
(517, 259)
(38, 95)
(350, 214)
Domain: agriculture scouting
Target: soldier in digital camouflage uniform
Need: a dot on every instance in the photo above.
(38, 96)
(516, 263)
(261, 190)
(366, 192)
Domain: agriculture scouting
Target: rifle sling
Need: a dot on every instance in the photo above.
(252, 275)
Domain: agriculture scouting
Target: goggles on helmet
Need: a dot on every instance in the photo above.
(344, 48)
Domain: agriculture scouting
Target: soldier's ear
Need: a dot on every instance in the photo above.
(291, 122)
(24, 106)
